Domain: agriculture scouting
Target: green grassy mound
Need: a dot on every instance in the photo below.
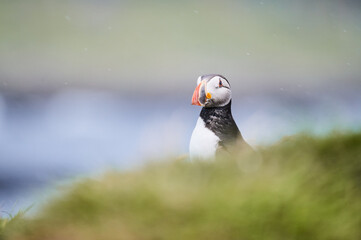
(301, 188)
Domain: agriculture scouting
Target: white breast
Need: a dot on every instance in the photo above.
(204, 142)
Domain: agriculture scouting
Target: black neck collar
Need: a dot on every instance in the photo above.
(211, 111)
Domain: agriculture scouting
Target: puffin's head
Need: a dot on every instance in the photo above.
(213, 90)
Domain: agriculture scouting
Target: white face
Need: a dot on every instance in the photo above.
(220, 92)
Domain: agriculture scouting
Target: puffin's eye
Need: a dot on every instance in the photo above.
(220, 83)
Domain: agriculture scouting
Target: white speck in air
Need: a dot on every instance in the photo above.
(248, 54)
(196, 11)
(67, 18)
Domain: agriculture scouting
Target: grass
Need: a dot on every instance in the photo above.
(301, 188)
(11, 223)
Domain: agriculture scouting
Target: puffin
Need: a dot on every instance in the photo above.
(215, 130)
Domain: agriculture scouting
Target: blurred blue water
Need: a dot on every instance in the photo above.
(46, 138)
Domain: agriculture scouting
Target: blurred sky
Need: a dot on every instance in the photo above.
(154, 46)
(91, 85)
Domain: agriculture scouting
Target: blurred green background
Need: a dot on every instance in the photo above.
(162, 46)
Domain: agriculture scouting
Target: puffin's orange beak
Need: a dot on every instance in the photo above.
(195, 98)
(199, 95)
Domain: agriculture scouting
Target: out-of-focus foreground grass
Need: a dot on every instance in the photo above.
(302, 188)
